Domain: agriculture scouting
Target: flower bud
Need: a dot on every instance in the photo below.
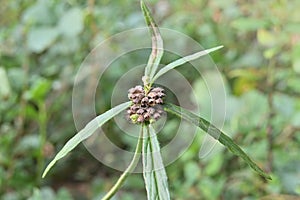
(145, 104)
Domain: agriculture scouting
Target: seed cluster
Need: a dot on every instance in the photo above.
(145, 107)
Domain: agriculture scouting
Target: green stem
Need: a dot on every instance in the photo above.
(129, 169)
(152, 157)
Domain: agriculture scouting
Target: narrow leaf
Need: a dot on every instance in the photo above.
(86, 132)
(215, 133)
(153, 168)
(184, 60)
(157, 45)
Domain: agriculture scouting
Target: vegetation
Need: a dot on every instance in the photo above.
(43, 43)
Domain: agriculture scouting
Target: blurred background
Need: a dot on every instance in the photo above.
(43, 43)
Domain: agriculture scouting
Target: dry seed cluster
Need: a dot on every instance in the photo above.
(145, 107)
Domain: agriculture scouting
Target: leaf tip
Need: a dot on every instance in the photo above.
(267, 176)
(50, 165)
(143, 6)
(147, 14)
(215, 48)
(221, 46)
(44, 174)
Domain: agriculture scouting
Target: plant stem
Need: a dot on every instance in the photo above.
(129, 169)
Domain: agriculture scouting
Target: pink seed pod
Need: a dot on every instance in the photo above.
(151, 102)
(140, 119)
(160, 94)
(134, 107)
(144, 107)
(140, 111)
(159, 101)
(145, 100)
(139, 88)
(152, 95)
(147, 116)
(135, 101)
(157, 89)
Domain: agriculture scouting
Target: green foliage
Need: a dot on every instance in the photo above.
(252, 70)
(184, 60)
(153, 168)
(157, 46)
(216, 134)
(86, 132)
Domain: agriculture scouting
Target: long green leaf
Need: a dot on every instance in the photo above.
(153, 168)
(86, 132)
(157, 45)
(215, 133)
(183, 60)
